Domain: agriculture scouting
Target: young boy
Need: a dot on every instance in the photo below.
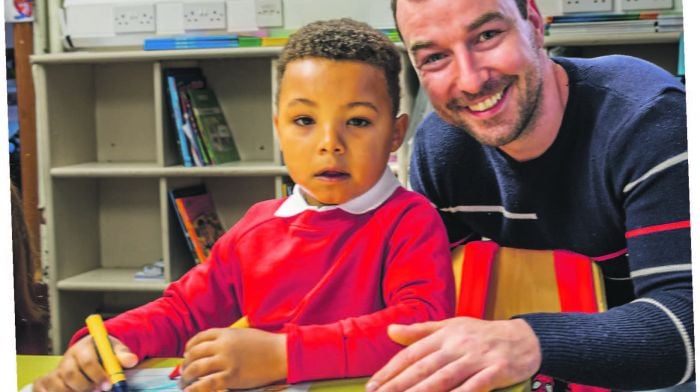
(320, 274)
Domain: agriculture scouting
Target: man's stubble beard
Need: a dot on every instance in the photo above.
(528, 112)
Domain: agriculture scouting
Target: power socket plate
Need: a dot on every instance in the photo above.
(134, 19)
(572, 6)
(204, 16)
(268, 13)
(635, 5)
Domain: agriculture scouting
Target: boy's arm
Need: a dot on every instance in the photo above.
(418, 285)
(203, 298)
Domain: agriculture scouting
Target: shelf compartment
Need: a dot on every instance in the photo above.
(243, 87)
(100, 113)
(105, 223)
(232, 198)
(77, 305)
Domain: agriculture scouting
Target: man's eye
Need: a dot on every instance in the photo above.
(488, 35)
(303, 121)
(358, 122)
(433, 58)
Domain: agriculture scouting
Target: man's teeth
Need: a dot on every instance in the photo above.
(487, 103)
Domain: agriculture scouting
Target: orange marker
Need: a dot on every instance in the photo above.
(241, 323)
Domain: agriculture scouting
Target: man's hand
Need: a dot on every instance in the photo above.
(80, 368)
(221, 358)
(464, 354)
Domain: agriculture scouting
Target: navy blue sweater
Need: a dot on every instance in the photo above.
(613, 186)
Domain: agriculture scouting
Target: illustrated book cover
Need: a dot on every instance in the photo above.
(198, 218)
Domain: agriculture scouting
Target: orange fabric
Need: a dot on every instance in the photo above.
(575, 282)
(476, 274)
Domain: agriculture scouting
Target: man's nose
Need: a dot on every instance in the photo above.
(470, 76)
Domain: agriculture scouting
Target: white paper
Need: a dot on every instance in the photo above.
(143, 380)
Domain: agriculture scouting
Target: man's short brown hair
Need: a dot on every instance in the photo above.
(522, 7)
(345, 39)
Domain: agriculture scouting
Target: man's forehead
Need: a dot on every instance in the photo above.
(467, 13)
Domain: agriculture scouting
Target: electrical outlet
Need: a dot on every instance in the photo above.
(204, 16)
(135, 19)
(268, 13)
(570, 6)
(633, 5)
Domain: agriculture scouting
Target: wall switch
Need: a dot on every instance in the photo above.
(633, 5)
(268, 13)
(134, 19)
(570, 6)
(204, 16)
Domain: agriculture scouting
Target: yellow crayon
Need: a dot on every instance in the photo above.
(104, 349)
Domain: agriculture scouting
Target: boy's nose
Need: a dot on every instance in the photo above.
(331, 141)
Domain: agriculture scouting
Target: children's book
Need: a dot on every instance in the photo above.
(177, 120)
(197, 215)
(218, 138)
(179, 81)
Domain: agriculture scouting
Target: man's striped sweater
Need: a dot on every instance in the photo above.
(613, 186)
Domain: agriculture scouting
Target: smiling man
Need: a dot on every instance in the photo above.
(584, 155)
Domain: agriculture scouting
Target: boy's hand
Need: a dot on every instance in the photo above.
(80, 368)
(221, 358)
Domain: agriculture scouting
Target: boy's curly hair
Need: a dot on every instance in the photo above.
(345, 39)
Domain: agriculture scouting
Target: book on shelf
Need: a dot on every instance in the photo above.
(605, 17)
(199, 221)
(216, 134)
(176, 115)
(179, 81)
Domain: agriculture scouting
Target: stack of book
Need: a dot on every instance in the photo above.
(670, 21)
(276, 38)
(191, 42)
(203, 135)
(610, 24)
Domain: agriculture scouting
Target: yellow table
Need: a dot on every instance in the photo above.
(31, 367)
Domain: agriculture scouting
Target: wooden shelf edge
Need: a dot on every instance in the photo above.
(102, 170)
(610, 39)
(110, 279)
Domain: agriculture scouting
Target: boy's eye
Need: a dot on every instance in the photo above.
(303, 121)
(358, 122)
(488, 35)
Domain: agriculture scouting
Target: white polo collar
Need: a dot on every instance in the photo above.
(367, 201)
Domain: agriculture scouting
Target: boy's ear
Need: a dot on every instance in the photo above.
(400, 127)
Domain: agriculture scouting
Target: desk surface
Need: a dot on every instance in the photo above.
(31, 367)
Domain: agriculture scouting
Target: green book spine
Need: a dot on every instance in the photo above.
(211, 122)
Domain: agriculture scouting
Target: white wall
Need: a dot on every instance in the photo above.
(377, 12)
